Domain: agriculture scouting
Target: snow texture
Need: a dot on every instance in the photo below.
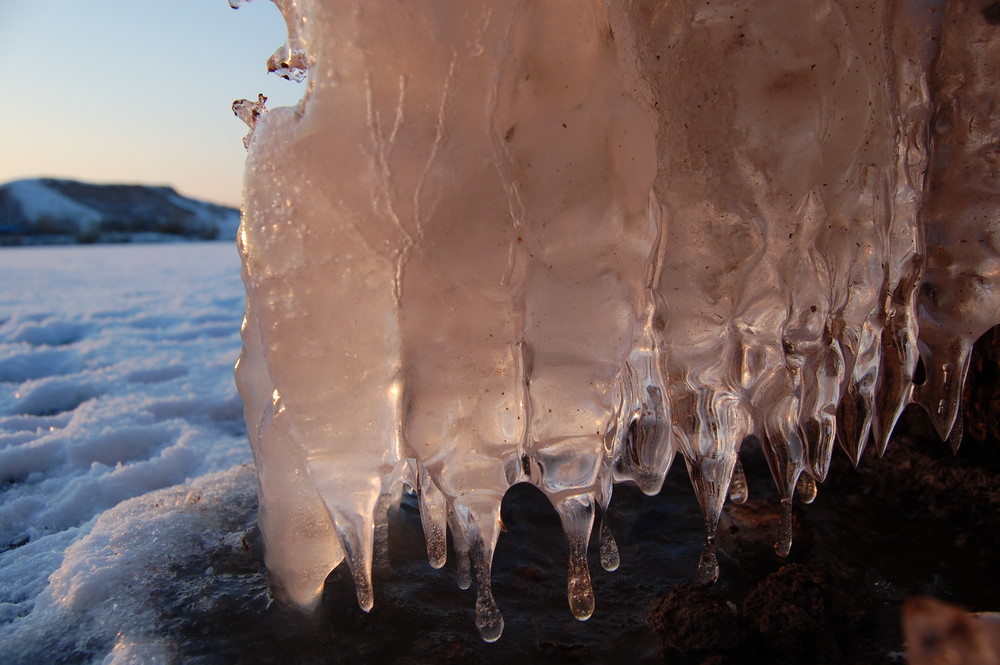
(122, 447)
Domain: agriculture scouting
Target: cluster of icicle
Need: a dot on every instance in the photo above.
(560, 242)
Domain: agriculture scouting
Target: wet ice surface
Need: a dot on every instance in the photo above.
(560, 243)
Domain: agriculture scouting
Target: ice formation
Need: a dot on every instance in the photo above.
(560, 242)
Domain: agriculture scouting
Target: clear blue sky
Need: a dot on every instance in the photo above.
(134, 91)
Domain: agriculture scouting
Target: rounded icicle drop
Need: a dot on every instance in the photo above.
(610, 559)
(434, 517)
(738, 490)
(577, 515)
(806, 488)
(489, 621)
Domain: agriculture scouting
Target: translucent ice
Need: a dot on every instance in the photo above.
(959, 297)
(556, 243)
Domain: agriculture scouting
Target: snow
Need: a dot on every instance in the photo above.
(53, 211)
(228, 224)
(120, 432)
(36, 201)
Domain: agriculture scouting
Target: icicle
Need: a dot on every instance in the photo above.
(895, 378)
(959, 298)
(289, 61)
(464, 572)
(355, 537)
(708, 562)
(610, 559)
(711, 480)
(580, 593)
(350, 497)
(783, 546)
(851, 430)
(577, 515)
(249, 112)
(806, 488)
(387, 499)
(957, 432)
(489, 621)
(453, 262)
(784, 452)
(646, 451)
(819, 412)
(783, 447)
(462, 558)
(434, 517)
(854, 418)
(941, 393)
(475, 526)
(738, 490)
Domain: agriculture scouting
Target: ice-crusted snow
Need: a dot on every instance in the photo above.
(121, 435)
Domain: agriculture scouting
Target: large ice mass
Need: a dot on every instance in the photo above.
(561, 242)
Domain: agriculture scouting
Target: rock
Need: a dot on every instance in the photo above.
(942, 634)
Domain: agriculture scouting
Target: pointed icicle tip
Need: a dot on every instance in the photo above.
(941, 393)
(957, 432)
(359, 563)
(854, 425)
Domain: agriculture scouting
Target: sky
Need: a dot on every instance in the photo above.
(135, 91)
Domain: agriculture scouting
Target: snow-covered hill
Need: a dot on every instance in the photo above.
(50, 211)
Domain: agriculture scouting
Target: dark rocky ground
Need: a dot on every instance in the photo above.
(921, 521)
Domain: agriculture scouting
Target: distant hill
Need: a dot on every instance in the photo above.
(50, 211)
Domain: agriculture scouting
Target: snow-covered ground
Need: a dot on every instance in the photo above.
(122, 446)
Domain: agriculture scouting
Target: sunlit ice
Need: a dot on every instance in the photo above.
(561, 243)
